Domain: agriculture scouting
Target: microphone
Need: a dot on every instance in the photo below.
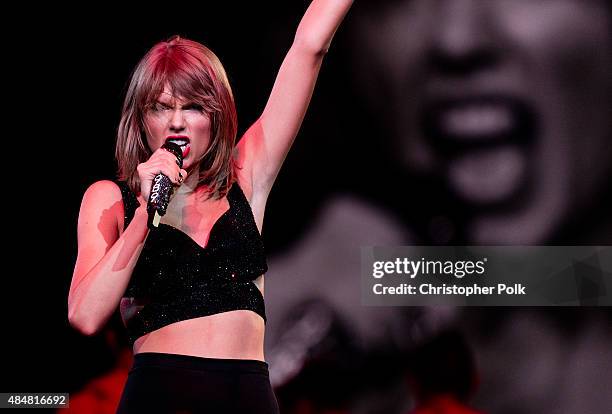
(162, 189)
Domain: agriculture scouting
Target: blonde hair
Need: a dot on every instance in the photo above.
(193, 72)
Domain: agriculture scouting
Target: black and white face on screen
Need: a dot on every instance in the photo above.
(507, 102)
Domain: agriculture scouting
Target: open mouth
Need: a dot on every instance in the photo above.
(484, 143)
(462, 124)
(182, 142)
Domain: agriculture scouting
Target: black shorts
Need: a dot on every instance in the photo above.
(173, 383)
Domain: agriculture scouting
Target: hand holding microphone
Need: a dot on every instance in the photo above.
(158, 175)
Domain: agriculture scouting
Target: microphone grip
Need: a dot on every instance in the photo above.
(161, 191)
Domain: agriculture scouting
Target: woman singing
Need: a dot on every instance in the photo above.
(191, 290)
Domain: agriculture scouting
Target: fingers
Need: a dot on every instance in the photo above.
(161, 161)
(168, 164)
(151, 168)
(172, 154)
(182, 176)
(165, 154)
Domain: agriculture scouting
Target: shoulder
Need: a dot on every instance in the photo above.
(103, 191)
(103, 199)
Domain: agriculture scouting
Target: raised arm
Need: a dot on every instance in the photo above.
(265, 145)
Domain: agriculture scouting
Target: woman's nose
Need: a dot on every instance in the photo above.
(464, 37)
(177, 120)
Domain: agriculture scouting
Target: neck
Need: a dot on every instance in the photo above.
(183, 196)
(189, 186)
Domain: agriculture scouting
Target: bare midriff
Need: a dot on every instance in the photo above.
(237, 334)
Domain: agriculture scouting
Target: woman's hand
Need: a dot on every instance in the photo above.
(161, 161)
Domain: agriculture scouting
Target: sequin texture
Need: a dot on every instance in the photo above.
(176, 279)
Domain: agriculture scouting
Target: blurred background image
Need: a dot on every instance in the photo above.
(461, 122)
(434, 122)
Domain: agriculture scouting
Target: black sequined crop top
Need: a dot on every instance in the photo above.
(177, 279)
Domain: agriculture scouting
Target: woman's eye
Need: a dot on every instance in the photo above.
(193, 107)
(160, 107)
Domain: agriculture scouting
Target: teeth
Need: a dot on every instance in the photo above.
(179, 142)
(478, 120)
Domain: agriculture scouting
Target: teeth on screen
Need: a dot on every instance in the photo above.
(478, 119)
